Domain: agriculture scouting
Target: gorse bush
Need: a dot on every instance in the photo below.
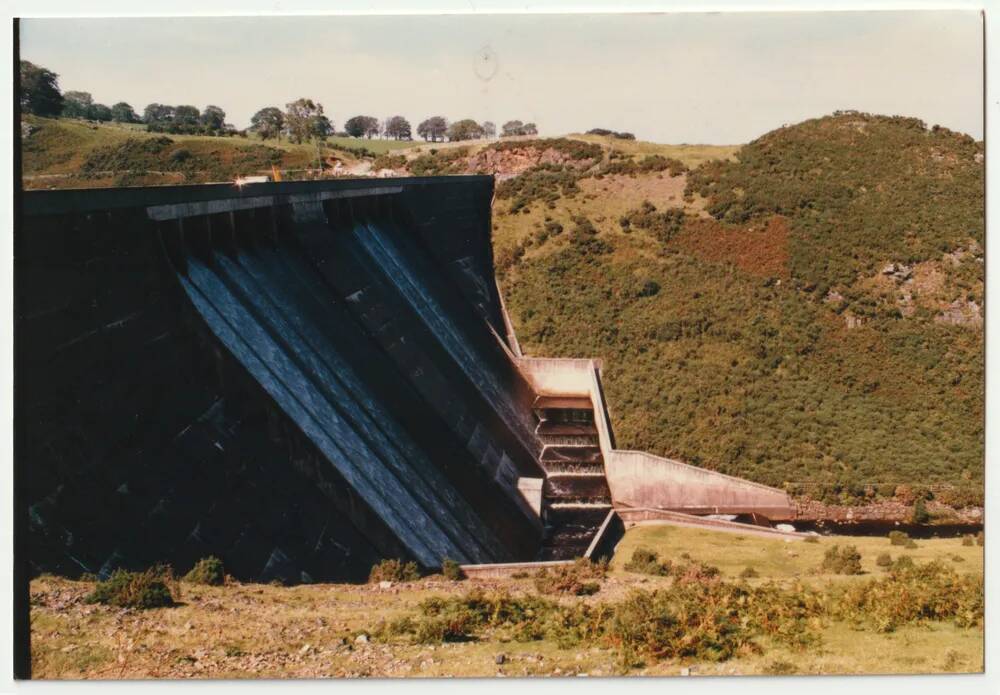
(707, 619)
(884, 560)
(911, 593)
(392, 570)
(837, 560)
(451, 570)
(898, 537)
(662, 225)
(208, 570)
(153, 588)
(646, 561)
(582, 578)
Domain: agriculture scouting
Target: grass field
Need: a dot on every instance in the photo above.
(691, 155)
(265, 631)
(61, 153)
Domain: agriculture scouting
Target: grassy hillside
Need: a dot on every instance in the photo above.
(807, 312)
(64, 153)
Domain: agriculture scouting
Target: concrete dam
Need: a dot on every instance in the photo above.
(303, 378)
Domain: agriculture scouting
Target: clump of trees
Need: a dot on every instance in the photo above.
(186, 119)
(397, 128)
(363, 127)
(611, 133)
(433, 129)
(512, 128)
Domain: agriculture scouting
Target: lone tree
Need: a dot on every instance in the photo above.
(362, 126)
(399, 128)
(39, 90)
(304, 119)
(512, 128)
(433, 129)
(77, 104)
(123, 113)
(268, 123)
(466, 129)
(489, 129)
(529, 129)
(213, 118)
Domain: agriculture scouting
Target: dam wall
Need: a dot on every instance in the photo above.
(300, 378)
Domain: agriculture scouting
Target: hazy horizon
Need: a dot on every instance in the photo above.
(722, 78)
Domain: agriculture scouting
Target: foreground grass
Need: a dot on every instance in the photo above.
(264, 631)
(783, 560)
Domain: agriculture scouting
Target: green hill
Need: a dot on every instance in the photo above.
(67, 153)
(807, 312)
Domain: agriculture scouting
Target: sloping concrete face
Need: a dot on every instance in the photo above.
(299, 378)
(641, 480)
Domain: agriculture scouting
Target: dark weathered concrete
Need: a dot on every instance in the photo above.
(300, 378)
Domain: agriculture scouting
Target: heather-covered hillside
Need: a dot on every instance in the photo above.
(809, 311)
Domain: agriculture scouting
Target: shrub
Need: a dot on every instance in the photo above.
(576, 579)
(898, 537)
(451, 570)
(968, 540)
(208, 570)
(646, 561)
(180, 155)
(811, 539)
(910, 544)
(394, 571)
(920, 513)
(749, 573)
(884, 560)
(911, 593)
(981, 538)
(153, 588)
(842, 561)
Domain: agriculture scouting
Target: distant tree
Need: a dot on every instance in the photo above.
(77, 104)
(512, 128)
(433, 129)
(529, 129)
(399, 128)
(99, 112)
(362, 126)
(489, 129)
(39, 90)
(322, 128)
(304, 119)
(157, 113)
(213, 118)
(123, 113)
(465, 129)
(158, 117)
(185, 117)
(268, 123)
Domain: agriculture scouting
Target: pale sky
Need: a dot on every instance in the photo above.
(721, 78)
